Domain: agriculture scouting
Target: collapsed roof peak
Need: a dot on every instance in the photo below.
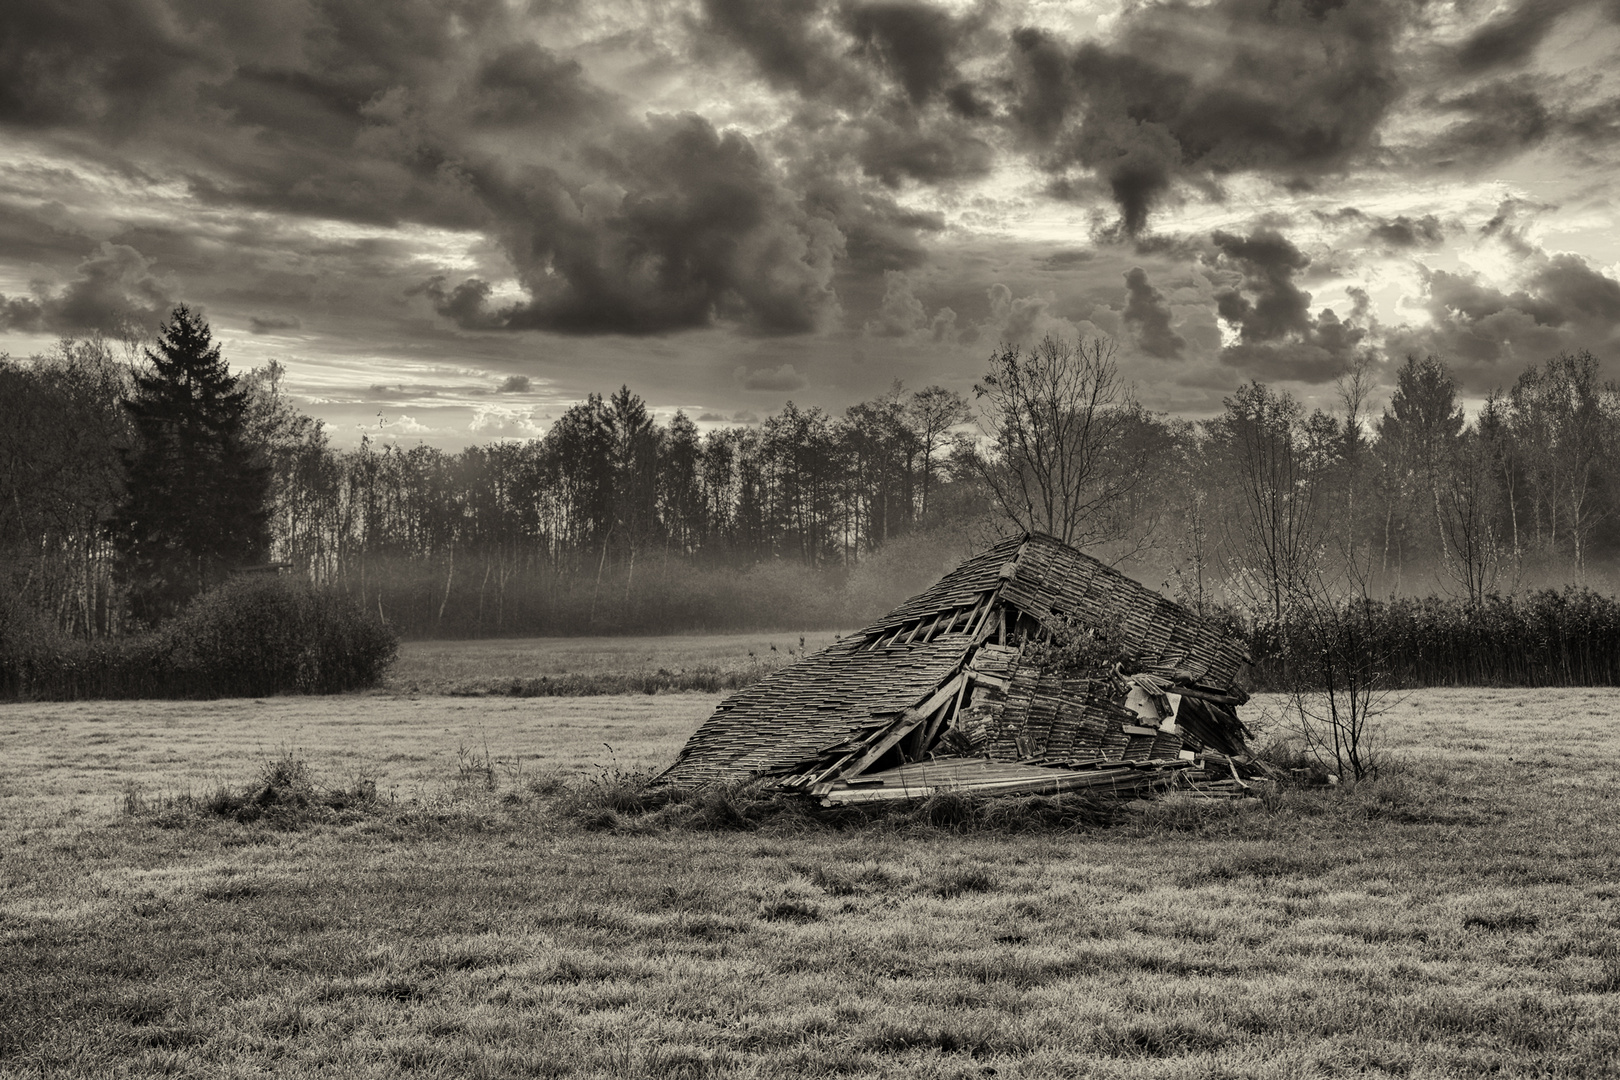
(950, 670)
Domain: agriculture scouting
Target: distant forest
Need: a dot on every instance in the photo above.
(614, 522)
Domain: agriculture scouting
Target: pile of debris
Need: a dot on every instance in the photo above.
(949, 692)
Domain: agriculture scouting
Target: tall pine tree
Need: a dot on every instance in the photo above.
(195, 507)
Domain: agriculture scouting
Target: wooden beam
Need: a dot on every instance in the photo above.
(945, 714)
(812, 781)
(984, 620)
(918, 629)
(1059, 781)
(990, 680)
(911, 747)
(904, 726)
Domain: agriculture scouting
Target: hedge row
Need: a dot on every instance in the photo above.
(1546, 638)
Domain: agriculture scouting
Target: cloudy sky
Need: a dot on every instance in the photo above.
(450, 219)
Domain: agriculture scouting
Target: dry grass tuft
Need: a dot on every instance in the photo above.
(283, 796)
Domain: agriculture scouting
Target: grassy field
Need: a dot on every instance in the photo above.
(477, 667)
(1458, 917)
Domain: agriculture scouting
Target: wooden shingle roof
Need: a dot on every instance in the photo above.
(827, 704)
(1052, 578)
(825, 699)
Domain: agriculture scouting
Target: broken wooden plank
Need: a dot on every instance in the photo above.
(912, 746)
(982, 632)
(945, 714)
(832, 769)
(989, 680)
(1052, 784)
(902, 727)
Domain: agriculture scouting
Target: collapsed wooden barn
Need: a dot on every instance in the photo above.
(949, 692)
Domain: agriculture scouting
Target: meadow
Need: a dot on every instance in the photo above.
(1458, 916)
(593, 664)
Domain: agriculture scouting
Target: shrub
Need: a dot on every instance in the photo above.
(253, 636)
(24, 638)
(259, 635)
(39, 662)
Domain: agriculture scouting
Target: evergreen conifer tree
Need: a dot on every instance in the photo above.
(196, 491)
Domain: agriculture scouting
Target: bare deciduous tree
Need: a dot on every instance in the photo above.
(1338, 664)
(1340, 682)
(933, 411)
(1469, 508)
(1057, 417)
(1562, 419)
(1277, 465)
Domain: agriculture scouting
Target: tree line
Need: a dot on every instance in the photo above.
(1420, 498)
(614, 521)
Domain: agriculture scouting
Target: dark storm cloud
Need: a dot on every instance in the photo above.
(1578, 290)
(514, 384)
(933, 154)
(1511, 39)
(402, 113)
(316, 108)
(471, 117)
(1562, 304)
(25, 236)
(1562, 292)
(966, 100)
(1464, 298)
(1596, 125)
(1278, 336)
(1405, 232)
(1283, 87)
(64, 64)
(679, 227)
(114, 292)
(1147, 313)
(879, 234)
(788, 42)
(1390, 233)
(1266, 305)
(844, 52)
(527, 86)
(465, 304)
(269, 324)
(892, 67)
(1046, 90)
(918, 44)
(1498, 119)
